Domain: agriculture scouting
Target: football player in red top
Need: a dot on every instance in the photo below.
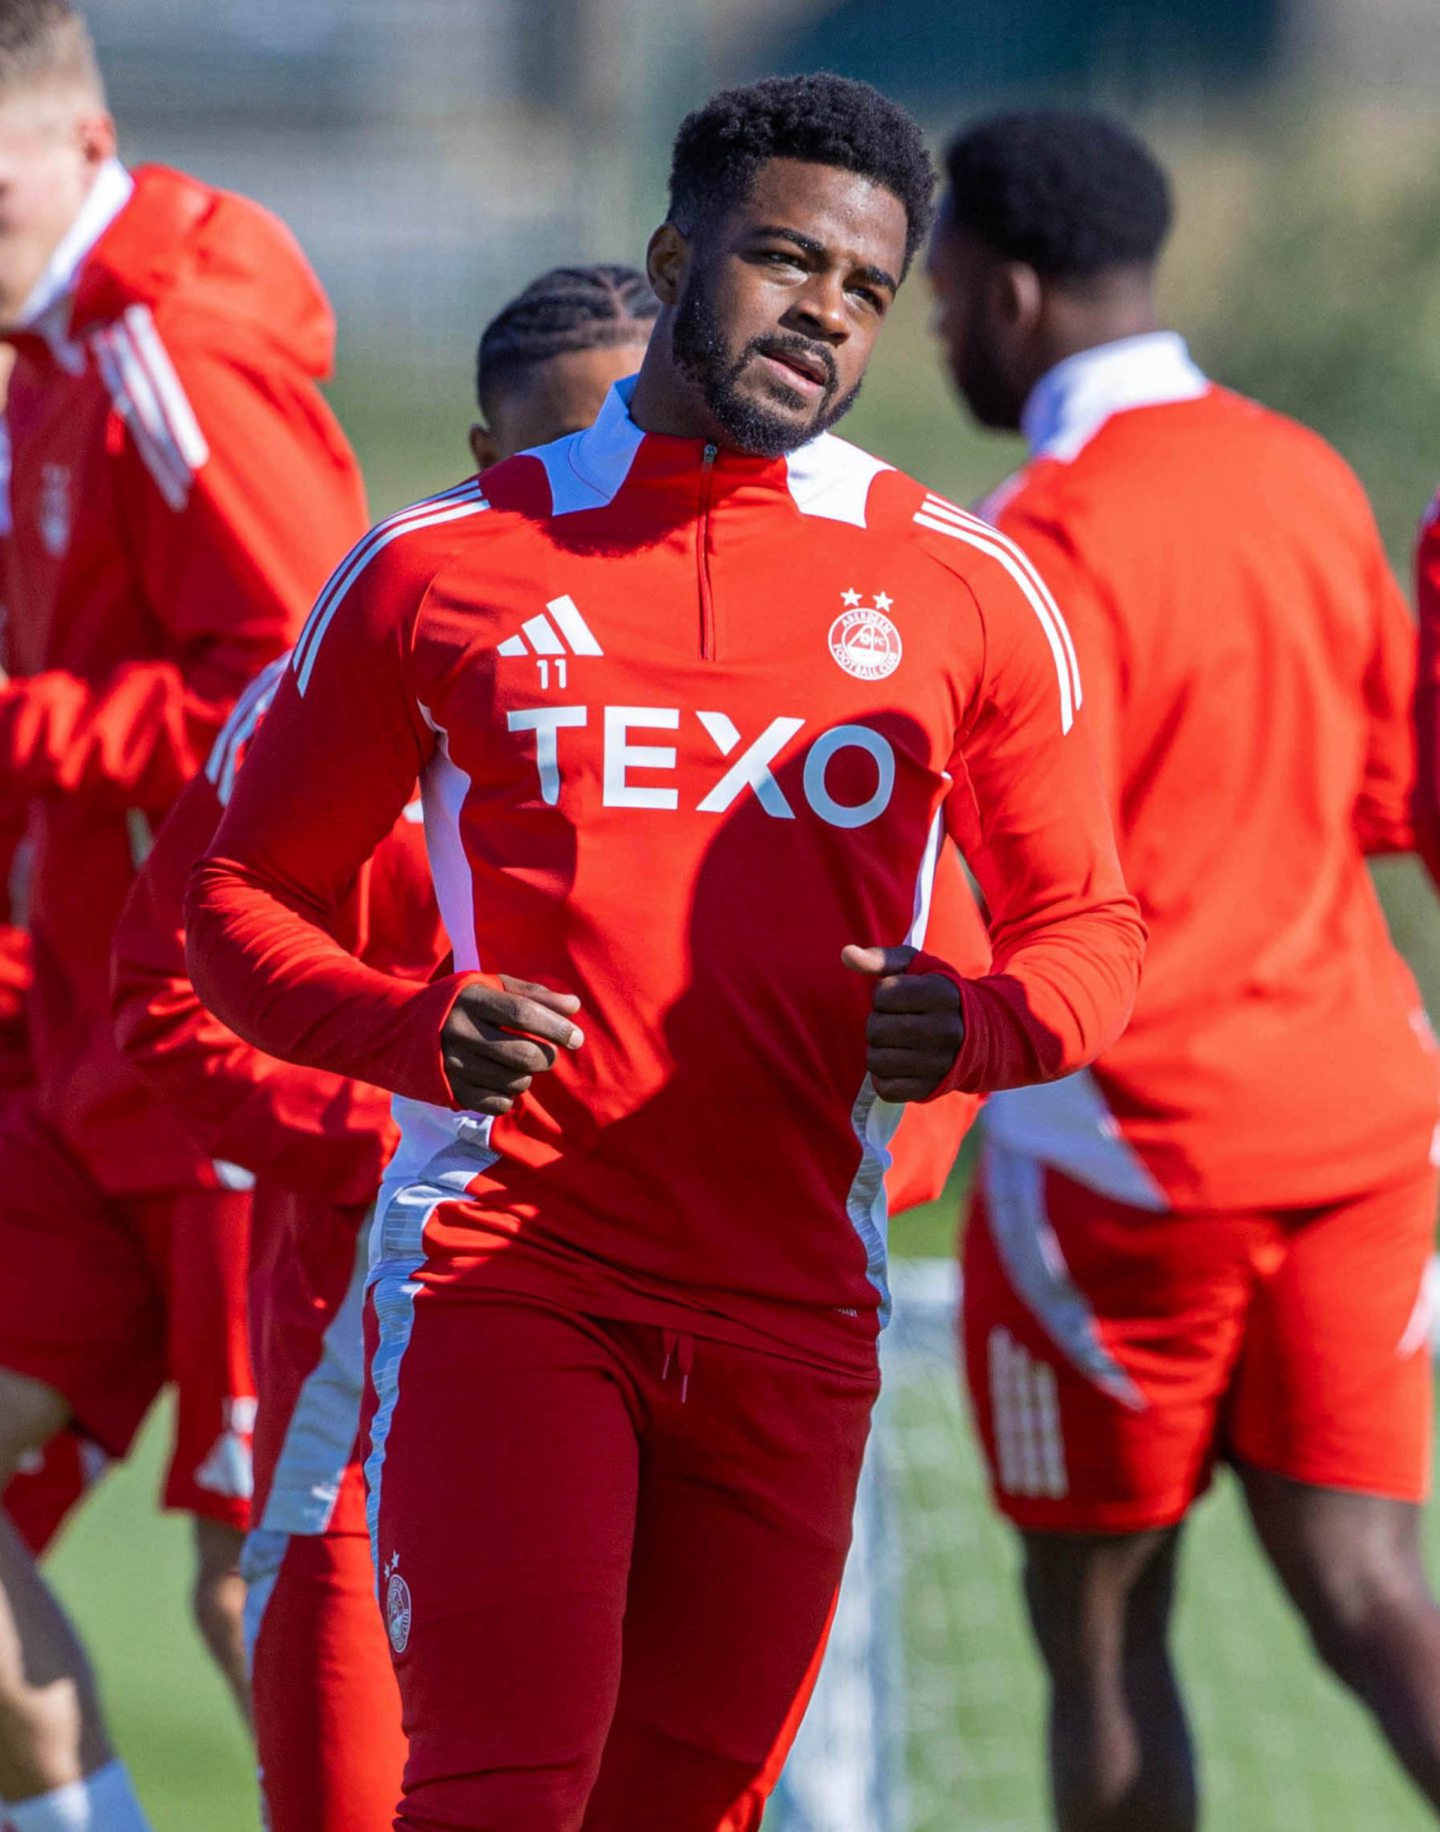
(327, 1715)
(694, 697)
(179, 489)
(1213, 1243)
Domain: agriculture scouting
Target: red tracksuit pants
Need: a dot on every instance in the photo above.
(608, 1555)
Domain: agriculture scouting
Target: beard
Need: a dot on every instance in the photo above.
(750, 424)
(980, 376)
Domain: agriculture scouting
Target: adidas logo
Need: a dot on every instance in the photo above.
(562, 632)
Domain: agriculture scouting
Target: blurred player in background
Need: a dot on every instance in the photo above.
(626, 1284)
(179, 489)
(327, 1713)
(48, 1481)
(1213, 1243)
(1427, 692)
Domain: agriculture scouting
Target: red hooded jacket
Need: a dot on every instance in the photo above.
(179, 489)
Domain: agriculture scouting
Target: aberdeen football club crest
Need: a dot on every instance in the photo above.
(53, 512)
(398, 1612)
(863, 639)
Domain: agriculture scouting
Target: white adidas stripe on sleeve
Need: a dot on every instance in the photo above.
(945, 518)
(451, 506)
(239, 728)
(146, 391)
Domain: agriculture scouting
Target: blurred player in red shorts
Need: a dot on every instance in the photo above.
(327, 1713)
(178, 490)
(687, 694)
(1213, 1243)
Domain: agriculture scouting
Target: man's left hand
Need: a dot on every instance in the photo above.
(915, 1028)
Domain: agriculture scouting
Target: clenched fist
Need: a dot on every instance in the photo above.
(498, 1038)
(915, 1028)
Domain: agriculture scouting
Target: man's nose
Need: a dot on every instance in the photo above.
(820, 310)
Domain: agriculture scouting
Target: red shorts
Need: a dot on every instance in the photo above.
(49, 1484)
(607, 1556)
(327, 1713)
(106, 1299)
(1113, 1354)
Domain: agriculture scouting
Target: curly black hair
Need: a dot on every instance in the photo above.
(569, 308)
(1068, 190)
(827, 119)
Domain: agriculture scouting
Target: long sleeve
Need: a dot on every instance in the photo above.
(1385, 805)
(325, 778)
(233, 512)
(1029, 811)
(1427, 695)
(314, 1134)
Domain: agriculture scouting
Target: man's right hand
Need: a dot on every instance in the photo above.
(498, 1037)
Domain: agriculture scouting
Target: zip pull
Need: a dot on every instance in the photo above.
(668, 1340)
(687, 1362)
(702, 555)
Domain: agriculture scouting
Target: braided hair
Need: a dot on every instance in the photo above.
(569, 308)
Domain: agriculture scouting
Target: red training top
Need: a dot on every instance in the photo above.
(1249, 663)
(686, 722)
(318, 1142)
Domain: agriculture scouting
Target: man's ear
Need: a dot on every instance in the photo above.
(666, 261)
(1021, 297)
(484, 446)
(97, 138)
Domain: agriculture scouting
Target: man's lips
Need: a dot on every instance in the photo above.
(797, 365)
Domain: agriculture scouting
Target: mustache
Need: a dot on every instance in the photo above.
(793, 345)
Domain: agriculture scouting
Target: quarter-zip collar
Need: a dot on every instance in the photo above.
(1072, 401)
(825, 477)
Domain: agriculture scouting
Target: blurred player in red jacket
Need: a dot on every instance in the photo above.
(1213, 1243)
(626, 1286)
(1427, 692)
(327, 1713)
(178, 491)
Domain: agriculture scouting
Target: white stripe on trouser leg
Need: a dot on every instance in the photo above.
(397, 1253)
(1004, 1410)
(394, 1299)
(1025, 1413)
(1035, 1266)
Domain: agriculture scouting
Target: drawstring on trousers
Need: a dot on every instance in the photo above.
(681, 1350)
